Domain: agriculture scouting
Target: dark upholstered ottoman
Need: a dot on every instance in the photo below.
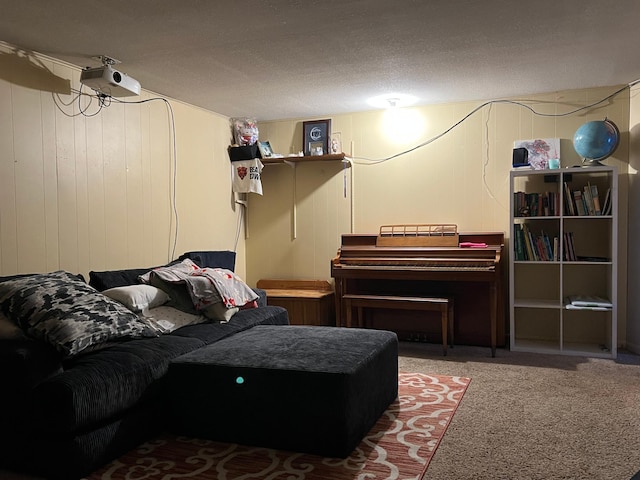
(308, 389)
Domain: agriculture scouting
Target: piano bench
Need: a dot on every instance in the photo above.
(444, 305)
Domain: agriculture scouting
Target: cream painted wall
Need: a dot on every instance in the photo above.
(461, 178)
(633, 318)
(84, 193)
(95, 193)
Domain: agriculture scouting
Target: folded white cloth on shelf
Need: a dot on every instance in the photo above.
(246, 176)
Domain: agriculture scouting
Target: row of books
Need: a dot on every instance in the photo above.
(546, 204)
(586, 202)
(529, 246)
(581, 202)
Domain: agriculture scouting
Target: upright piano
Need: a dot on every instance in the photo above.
(467, 268)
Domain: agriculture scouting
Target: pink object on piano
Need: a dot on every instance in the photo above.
(472, 245)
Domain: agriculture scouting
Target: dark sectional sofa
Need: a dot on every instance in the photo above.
(64, 417)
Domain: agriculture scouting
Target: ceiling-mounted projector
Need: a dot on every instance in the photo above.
(106, 80)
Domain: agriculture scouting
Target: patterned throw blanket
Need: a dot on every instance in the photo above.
(206, 286)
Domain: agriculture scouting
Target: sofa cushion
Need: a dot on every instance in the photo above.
(138, 298)
(103, 280)
(219, 312)
(65, 457)
(24, 363)
(115, 278)
(169, 319)
(65, 312)
(9, 330)
(243, 320)
(212, 259)
(102, 384)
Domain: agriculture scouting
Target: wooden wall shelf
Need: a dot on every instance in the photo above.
(307, 158)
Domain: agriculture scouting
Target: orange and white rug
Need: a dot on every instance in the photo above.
(399, 446)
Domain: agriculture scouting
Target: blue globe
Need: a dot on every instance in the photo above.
(596, 140)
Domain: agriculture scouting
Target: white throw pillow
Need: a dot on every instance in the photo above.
(219, 312)
(167, 319)
(138, 298)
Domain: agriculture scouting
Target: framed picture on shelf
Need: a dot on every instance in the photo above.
(316, 137)
(265, 149)
(540, 152)
(336, 143)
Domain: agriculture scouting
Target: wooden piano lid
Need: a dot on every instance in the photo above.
(418, 235)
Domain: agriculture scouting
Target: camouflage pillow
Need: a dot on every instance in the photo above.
(67, 313)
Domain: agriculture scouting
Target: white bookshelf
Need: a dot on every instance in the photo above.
(539, 320)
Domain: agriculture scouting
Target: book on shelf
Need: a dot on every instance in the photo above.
(569, 250)
(541, 248)
(579, 200)
(546, 209)
(595, 199)
(606, 207)
(570, 306)
(569, 207)
(528, 240)
(546, 244)
(535, 204)
(593, 259)
(572, 247)
(588, 200)
(588, 301)
(585, 201)
(529, 246)
(517, 243)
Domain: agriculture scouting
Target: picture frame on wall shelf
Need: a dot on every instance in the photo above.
(265, 149)
(336, 143)
(316, 137)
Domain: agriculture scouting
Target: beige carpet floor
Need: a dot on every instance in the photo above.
(531, 416)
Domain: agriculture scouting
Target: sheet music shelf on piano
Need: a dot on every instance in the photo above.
(419, 235)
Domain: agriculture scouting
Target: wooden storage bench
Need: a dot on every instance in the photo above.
(443, 305)
(308, 302)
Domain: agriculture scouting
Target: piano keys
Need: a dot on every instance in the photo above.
(473, 276)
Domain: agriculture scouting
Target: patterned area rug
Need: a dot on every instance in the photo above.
(399, 446)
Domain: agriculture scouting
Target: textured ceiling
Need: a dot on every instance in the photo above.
(311, 58)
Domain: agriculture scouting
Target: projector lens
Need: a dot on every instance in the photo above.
(117, 77)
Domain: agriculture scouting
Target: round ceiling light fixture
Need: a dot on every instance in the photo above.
(392, 100)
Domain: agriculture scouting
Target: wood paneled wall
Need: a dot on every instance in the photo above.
(461, 178)
(84, 193)
(96, 191)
